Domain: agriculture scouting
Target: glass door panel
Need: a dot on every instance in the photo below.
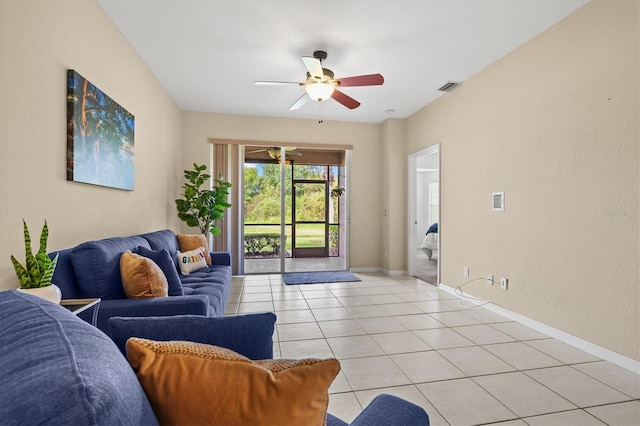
(309, 172)
(262, 224)
(310, 232)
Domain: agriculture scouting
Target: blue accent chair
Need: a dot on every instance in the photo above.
(57, 369)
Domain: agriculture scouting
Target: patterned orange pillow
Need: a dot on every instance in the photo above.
(190, 242)
(196, 384)
(142, 277)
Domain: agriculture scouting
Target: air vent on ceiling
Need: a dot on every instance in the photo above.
(449, 86)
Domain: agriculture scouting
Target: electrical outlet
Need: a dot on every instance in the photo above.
(503, 283)
(466, 272)
(490, 279)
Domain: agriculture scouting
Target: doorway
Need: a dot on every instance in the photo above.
(295, 214)
(424, 215)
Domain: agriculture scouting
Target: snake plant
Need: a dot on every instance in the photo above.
(38, 269)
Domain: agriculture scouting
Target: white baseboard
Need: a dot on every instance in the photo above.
(395, 272)
(365, 270)
(381, 270)
(588, 347)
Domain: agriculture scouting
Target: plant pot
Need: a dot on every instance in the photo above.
(51, 292)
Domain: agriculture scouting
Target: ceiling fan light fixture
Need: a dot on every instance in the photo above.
(319, 91)
(320, 83)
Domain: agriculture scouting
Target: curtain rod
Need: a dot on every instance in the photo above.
(272, 143)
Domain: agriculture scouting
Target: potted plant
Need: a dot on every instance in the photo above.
(201, 207)
(337, 192)
(35, 276)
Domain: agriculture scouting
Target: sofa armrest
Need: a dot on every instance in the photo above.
(334, 421)
(389, 410)
(221, 258)
(150, 307)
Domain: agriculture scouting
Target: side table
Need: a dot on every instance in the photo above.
(80, 305)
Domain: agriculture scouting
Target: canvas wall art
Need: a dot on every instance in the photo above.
(99, 137)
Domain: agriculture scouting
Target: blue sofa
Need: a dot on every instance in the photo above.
(92, 269)
(58, 370)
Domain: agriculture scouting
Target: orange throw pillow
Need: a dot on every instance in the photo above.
(190, 242)
(142, 277)
(197, 384)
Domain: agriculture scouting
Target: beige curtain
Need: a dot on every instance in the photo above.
(225, 163)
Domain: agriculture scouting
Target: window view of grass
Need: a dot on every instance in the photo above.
(312, 235)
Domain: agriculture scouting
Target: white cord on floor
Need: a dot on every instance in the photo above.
(460, 293)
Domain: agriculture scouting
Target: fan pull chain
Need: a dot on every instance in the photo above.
(321, 119)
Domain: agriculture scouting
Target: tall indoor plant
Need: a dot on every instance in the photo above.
(201, 207)
(36, 274)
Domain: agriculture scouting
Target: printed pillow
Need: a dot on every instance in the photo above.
(141, 277)
(190, 242)
(194, 383)
(163, 259)
(191, 260)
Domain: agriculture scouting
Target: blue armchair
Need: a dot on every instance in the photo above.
(58, 369)
(251, 335)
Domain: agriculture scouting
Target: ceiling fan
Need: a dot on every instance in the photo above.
(321, 85)
(274, 151)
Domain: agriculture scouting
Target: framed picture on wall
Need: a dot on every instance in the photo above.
(100, 137)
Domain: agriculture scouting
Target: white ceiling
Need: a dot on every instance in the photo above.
(208, 53)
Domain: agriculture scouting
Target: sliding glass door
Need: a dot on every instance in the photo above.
(294, 213)
(266, 225)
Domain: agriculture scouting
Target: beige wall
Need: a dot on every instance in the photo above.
(365, 180)
(39, 41)
(555, 126)
(394, 178)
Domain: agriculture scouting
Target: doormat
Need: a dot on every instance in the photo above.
(295, 278)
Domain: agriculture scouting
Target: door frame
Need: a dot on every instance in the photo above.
(238, 229)
(412, 185)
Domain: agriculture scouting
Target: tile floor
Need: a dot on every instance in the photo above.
(464, 366)
(294, 264)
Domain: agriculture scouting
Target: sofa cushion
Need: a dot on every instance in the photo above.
(250, 335)
(141, 277)
(97, 265)
(165, 239)
(178, 378)
(190, 242)
(167, 263)
(192, 260)
(214, 282)
(57, 369)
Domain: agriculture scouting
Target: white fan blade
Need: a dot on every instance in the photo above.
(298, 104)
(314, 66)
(276, 83)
